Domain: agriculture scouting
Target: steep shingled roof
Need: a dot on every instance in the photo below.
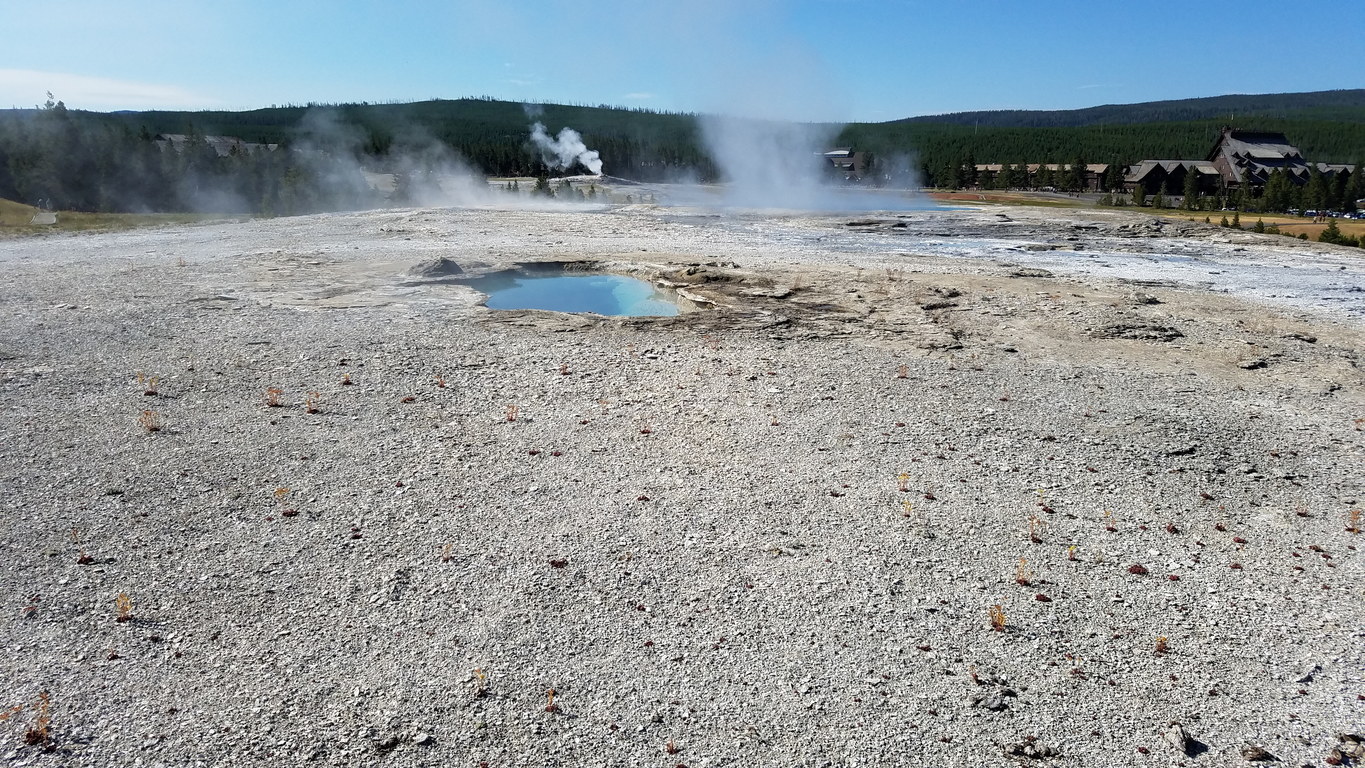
(1257, 152)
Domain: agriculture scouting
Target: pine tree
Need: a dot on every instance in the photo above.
(1246, 193)
(1315, 194)
(1191, 202)
(1355, 190)
(1113, 177)
(1076, 178)
(1278, 189)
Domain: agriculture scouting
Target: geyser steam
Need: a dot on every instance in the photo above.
(770, 163)
(564, 150)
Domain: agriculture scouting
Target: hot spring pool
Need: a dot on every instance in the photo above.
(600, 294)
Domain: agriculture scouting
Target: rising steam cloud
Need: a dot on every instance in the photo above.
(565, 150)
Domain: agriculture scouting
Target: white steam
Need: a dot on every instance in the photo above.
(770, 163)
(565, 150)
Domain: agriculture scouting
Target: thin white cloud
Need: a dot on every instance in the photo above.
(27, 88)
(639, 96)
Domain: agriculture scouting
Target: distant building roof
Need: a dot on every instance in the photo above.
(222, 145)
(1255, 152)
(1147, 167)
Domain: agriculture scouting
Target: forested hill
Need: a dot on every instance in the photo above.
(80, 160)
(1233, 108)
(454, 121)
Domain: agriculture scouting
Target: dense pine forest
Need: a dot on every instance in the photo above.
(299, 159)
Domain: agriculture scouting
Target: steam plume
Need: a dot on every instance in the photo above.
(564, 150)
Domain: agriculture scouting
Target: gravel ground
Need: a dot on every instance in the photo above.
(770, 531)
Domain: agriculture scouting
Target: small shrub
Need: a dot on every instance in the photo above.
(272, 397)
(481, 684)
(124, 605)
(150, 421)
(1035, 529)
(550, 705)
(1353, 521)
(512, 412)
(310, 402)
(997, 617)
(1022, 575)
(40, 735)
(902, 371)
(1160, 645)
(82, 558)
(346, 380)
(148, 383)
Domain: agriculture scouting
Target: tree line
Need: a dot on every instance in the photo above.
(91, 161)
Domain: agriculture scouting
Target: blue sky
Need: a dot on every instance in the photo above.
(805, 59)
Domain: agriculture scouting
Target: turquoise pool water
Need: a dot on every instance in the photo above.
(597, 293)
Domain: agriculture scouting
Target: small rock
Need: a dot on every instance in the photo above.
(1256, 753)
(1031, 749)
(994, 702)
(1177, 737)
(1352, 746)
(1308, 676)
(422, 738)
(438, 267)
(1139, 332)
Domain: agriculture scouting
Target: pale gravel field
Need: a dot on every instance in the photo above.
(694, 531)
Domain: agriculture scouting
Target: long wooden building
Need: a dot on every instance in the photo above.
(1237, 159)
